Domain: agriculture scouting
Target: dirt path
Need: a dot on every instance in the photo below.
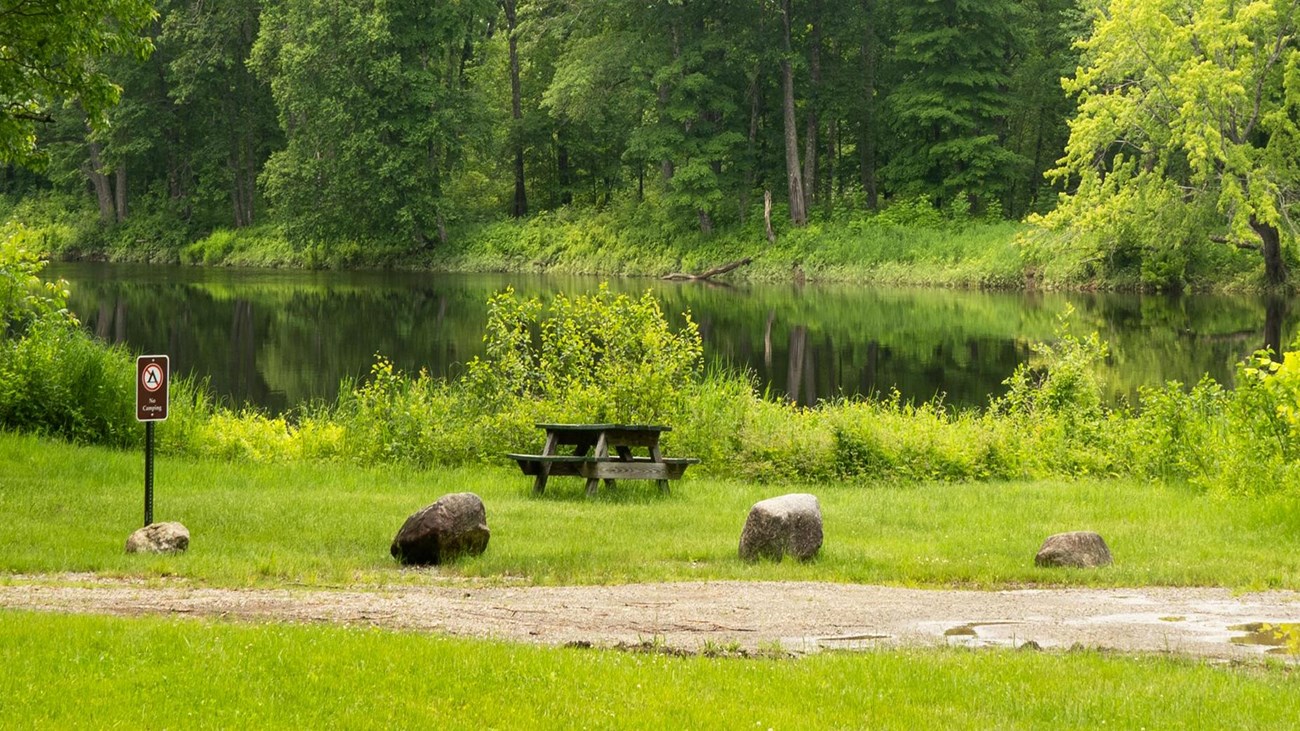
(801, 617)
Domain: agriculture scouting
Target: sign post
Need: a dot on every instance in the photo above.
(152, 374)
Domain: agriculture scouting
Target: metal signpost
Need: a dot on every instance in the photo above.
(152, 373)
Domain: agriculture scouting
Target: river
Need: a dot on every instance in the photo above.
(278, 338)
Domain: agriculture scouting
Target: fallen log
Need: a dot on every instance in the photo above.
(710, 274)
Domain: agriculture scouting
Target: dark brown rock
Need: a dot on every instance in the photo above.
(159, 538)
(1079, 549)
(789, 524)
(454, 525)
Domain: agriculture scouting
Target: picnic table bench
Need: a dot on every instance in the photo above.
(602, 452)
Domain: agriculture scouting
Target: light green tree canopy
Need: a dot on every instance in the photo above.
(50, 51)
(1187, 126)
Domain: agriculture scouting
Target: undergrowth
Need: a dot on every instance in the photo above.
(607, 357)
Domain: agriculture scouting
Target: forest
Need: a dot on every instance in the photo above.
(1156, 135)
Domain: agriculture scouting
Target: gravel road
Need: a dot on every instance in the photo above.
(801, 616)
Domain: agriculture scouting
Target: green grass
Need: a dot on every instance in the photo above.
(82, 672)
(70, 508)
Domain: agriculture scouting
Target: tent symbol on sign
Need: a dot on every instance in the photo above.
(152, 377)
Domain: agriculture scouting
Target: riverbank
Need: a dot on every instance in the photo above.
(905, 244)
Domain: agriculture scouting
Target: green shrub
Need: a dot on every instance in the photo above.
(607, 358)
(610, 358)
(53, 223)
(56, 380)
(1177, 432)
(25, 297)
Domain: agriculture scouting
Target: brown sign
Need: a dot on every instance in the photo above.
(152, 373)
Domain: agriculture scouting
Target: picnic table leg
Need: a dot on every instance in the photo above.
(624, 454)
(657, 456)
(544, 469)
(602, 451)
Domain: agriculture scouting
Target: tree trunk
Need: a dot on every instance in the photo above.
(564, 174)
(811, 128)
(767, 217)
(832, 158)
(238, 193)
(119, 191)
(103, 191)
(243, 178)
(767, 341)
(795, 362)
(751, 172)
(867, 128)
(798, 211)
(520, 207)
(1275, 308)
(1275, 273)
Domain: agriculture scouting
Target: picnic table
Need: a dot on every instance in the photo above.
(602, 452)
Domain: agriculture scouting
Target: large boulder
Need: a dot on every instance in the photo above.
(159, 538)
(456, 524)
(1079, 549)
(789, 524)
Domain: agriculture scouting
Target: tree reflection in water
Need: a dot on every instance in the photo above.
(276, 339)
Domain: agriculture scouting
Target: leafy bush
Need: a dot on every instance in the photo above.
(26, 298)
(53, 223)
(1172, 436)
(53, 378)
(609, 357)
(56, 380)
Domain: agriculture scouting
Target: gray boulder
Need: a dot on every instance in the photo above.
(1079, 549)
(789, 524)
(454, 525)
(159, 538)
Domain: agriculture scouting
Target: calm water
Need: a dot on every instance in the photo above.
(279, 338)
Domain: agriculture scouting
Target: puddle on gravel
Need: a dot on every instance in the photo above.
(1261, 634)
(847, 642)
(972, 629)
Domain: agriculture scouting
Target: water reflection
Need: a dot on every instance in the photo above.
(278, 338)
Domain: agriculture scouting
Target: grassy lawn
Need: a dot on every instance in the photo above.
(70, 509)
(162, 673)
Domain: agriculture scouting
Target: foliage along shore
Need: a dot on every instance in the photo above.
(908, 243)
(614, 358)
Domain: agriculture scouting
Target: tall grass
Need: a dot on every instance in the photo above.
(614, 358)
(909, 242)
(80, 672)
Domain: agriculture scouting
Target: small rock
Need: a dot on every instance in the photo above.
(1079, 549)
(456, 524)
(789, 524)
(159, 538)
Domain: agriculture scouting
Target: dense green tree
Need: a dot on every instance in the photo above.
(1188, 127)
(229, 125)
(519, 208)
(382, 122)
(50, 52)
(1038, 123)
(372, 100)
(950, 107)
(661, 72)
